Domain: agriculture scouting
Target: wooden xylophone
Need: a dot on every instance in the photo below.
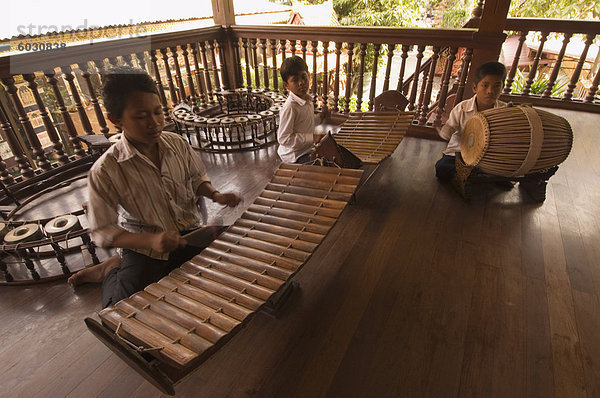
(372, 136)
(184, 317)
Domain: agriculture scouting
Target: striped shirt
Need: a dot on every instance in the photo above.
(128, 192)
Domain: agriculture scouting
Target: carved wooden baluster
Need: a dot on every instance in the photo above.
(172, 91)
(429, 89)
(34, 142)
(336, 87)
(85, 69)
(70, 78)
(445, 85)
(273, 43)
(61, 157)
(224, 76)
(515, 65)
(556, 67)
(178, 77)
(403, 56)
(325, 94)
(376, 48)
(477, 12)
(293, 44)
(5, 176)
(235, 44)
(7, 276)
(113, 61)
(128, 60)
(141, 61)
(534, 66)
(593, 88)
(349, 75)
(204, 59)
(415, 82)
(100, 68)
(199, 76)
(361, 71)
(71, 130)
(159, 85)
(255, 63)
(419, 107)
(210, 47)
(283, 45)
(577, 72)
(314, 48)
(188, 74)
(388, 66)
(303, 46)
(263, 48)
(462, 81)
(246, 45)
(91, 247)
(15, 148)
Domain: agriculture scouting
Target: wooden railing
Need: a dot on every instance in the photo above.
(62, 86)
(545, 77)
(347, 48)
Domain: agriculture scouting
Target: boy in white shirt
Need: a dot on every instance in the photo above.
(296, 118)
(487, 86)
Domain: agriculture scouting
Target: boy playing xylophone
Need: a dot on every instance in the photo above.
(143, 191)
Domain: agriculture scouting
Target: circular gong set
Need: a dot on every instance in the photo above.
(243, 120)
(40, 245)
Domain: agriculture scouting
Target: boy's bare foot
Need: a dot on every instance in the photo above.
(95, 273)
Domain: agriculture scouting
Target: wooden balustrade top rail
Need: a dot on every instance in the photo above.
(552, 25)
(43, 60)
(360, 34)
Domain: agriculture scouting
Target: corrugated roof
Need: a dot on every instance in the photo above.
(40, 17)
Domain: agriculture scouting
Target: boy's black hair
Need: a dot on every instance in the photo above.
(121, 81)
(489, 68)
(292, 66)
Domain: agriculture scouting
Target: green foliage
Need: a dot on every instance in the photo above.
(456, 13)
(397, 13)
(353, 104)
(539, 84)
(562, 9)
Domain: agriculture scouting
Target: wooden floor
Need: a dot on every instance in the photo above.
(414, 293)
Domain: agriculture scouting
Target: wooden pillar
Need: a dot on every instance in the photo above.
(489, 37)
(223, 13)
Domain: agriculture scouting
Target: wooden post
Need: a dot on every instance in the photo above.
(490, 35)
(223, 13)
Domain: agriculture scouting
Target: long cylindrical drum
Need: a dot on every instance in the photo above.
(515, 140)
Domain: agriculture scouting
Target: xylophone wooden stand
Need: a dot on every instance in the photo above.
(157, 373)
(533, 183)
(160, 374)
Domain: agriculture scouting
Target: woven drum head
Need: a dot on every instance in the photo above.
(475, 139)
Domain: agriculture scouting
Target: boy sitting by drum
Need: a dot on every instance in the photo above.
(296, 118)
(487, 86)
(143, 191)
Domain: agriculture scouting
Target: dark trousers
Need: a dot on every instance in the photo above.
(445, 168)
(138, 271)
(303, 159)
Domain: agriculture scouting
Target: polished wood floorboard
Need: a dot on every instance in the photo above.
(414, 293)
